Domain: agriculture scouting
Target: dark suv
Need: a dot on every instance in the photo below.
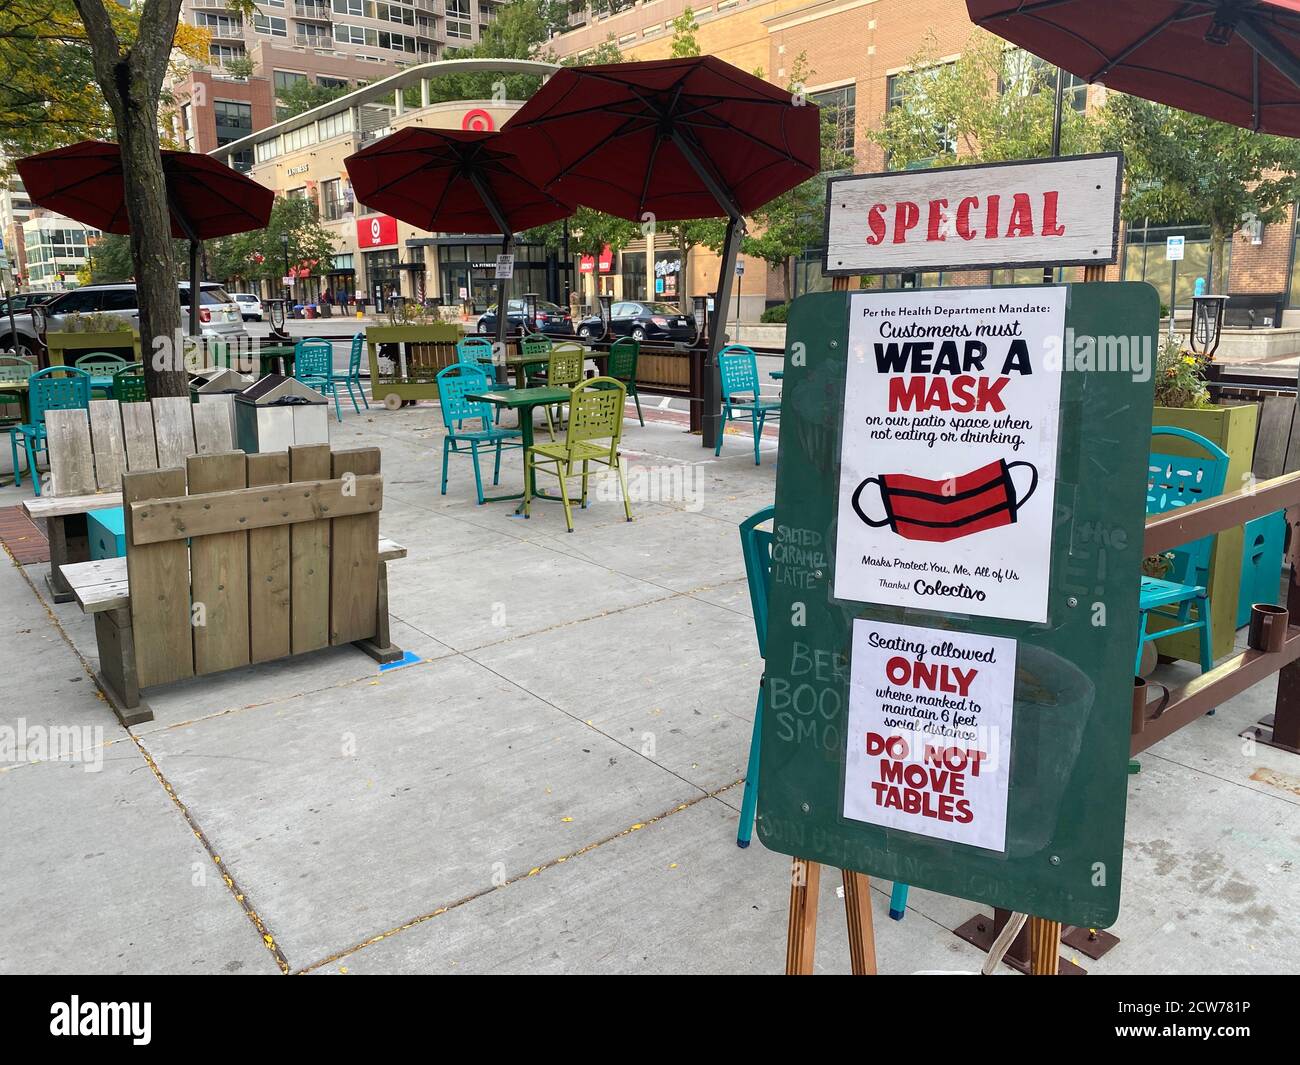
(642, 321)
(551, 318)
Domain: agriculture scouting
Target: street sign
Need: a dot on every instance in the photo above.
(932, 714)
(1174, 248)
(505, 267)
(740, 267)
(1046, 212)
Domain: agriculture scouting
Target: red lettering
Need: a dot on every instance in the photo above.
(876, 220)
(936, 216)
(906, 215)
(989, 398)
(1021, 222)
(963, 217)
(991, 218)
(1050, 227)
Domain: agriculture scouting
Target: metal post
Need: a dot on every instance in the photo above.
(711, 422)
(1056, 140)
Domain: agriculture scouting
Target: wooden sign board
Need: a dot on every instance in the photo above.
(1048, 212)
(949, 668)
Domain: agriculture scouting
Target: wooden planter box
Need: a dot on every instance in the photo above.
(67, 348)
(1233, 429)
(423, 350)
(664, 370)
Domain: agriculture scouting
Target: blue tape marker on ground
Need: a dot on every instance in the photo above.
(408, 659)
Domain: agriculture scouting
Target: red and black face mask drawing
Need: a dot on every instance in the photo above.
(938, 511)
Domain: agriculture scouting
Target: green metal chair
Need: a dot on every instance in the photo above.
(313, 365)
(595, 427)
(738, 370)
(623, 354)
(101, 365)
(57, 388)
(534, 344)
(455, 383)
(128, 384)
(563, 370)
(354, 372)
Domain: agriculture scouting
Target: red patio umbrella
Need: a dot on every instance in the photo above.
(453, 181)
(675, 139)
(207, 198)
(1234, 60)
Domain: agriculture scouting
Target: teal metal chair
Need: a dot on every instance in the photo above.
(102, 366)
(313, 365)
(353, 378)
(454, 384)
(1182, 596)
(57, 388)
(738, 370)
(623, 354)
(756, 548)
(476, 352)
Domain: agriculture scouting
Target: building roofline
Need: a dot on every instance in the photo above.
(386, 87)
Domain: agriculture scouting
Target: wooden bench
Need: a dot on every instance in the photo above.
(238, 559)
(91, 449)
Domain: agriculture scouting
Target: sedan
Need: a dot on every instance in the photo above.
(642, 321)
(249, 306)
(551, 318)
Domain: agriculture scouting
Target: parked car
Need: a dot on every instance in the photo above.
(642, 321)
(219, 315)
(250, 306)
(22, 300)
(551, 318)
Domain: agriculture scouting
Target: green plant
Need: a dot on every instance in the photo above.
(95, 322)
(1180, 376)
(1158, 566)
(778, 313)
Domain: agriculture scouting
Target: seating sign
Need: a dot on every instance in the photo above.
(948, 456)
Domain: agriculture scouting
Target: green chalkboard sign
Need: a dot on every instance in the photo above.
(953, 614)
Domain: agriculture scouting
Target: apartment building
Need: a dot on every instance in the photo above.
(854, 51)
(55, 248)
(15, 209)
(378, 256)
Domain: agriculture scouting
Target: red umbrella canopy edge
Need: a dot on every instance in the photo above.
(85, 181)
(619, 138)
(437, 180)
(1236, 61)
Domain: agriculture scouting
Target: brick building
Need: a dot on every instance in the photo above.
(854, 49)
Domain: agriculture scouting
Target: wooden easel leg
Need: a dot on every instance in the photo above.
(1044, 946)
(801, 937)
(380, 646)
(862, 933)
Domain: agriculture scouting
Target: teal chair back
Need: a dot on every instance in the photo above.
(756, 548)
(1179, 481)
(622, 359)
(16, 368)
(454, 384)
(313, 358)
(57, 388)
(476, 353)
(738, 370)
(354, 357)
(100, 363)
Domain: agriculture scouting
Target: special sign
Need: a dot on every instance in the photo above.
(948, 453)
(1057, 212)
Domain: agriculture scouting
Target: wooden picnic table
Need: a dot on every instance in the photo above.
(525, 401)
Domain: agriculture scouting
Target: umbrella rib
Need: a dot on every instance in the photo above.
(1129, 49)
(649, 172)
(750, 136)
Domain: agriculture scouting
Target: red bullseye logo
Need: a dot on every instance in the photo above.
(477, 120)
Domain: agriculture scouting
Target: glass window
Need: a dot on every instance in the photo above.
(284, 78)
(119, 299)
(908, 90)
(841, 104)
(1026, 73)
(270, 25)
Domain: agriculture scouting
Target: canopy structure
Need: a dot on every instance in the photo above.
(669, 140)
(207, 199)
(1233, 60)
(454, 181)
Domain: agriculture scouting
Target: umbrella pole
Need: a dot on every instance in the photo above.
(194, 288)
(507, 246)
(711, 421)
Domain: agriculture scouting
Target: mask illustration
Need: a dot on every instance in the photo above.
(918, 508)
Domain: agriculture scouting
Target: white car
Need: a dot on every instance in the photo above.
(249, 306)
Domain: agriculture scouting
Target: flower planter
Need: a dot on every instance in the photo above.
(1233, 429)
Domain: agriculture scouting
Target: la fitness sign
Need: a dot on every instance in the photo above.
(1049, 212)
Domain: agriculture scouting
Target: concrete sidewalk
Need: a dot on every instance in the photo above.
(553, 787)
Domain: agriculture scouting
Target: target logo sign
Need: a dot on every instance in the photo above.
(478, 120)
(377, 231)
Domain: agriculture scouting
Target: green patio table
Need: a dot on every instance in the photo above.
(776, 375)
(525, 401)
(17, 389)
(270, 352)
(518, 363)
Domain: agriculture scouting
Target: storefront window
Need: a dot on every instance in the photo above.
(1145, 259)
(634, 275)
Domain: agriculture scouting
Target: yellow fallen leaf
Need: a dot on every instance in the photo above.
(566, 820)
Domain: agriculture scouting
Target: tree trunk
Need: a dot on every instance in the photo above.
(1218, 279)
(683, 296)
(131, 81)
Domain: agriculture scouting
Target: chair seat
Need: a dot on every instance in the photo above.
(764, 405)
(490, 436)
(1155, 592)
(27, 429)
(581, 451)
